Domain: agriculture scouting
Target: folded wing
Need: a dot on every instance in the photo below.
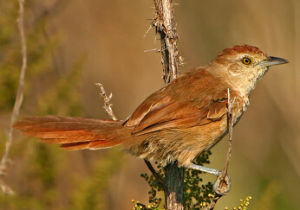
(193, 101)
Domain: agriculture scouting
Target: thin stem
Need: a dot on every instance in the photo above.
(155, 174)
(222, 184)
(230, 131)
(20, 91)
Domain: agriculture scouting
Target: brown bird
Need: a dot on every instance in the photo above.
(175, 123)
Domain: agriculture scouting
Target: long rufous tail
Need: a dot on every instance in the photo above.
(75, 133)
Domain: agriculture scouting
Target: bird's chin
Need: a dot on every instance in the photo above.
(266, 69)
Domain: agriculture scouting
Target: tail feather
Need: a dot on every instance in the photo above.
(75, 133)
(93, 145)
(75, 146)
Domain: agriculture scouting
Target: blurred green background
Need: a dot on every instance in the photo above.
(74, 44)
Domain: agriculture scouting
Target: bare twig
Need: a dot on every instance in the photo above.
(152, 50)
(222, 184)
(107, 105)
(19, 95)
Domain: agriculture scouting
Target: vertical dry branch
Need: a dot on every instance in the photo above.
(19, 95)
(165, 26)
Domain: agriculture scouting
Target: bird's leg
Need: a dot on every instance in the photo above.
(205, 169)
(222, 184)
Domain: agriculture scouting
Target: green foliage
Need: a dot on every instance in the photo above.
(156, 187)
(196, 194)
(140, 206)
(243, 204)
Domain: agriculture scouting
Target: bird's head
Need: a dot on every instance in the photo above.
(243, 66)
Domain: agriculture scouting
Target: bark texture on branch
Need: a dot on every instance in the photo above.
(174, 181)
(165, 26)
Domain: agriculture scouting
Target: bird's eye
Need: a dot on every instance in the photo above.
(247, 60)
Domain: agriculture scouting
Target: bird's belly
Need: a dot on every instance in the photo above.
(181, 145)
(202, 138)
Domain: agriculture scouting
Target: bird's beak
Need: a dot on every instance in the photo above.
(271, 61)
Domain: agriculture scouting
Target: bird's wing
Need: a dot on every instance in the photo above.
(186, 102)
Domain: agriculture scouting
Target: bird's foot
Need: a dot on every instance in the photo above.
(222, 185)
